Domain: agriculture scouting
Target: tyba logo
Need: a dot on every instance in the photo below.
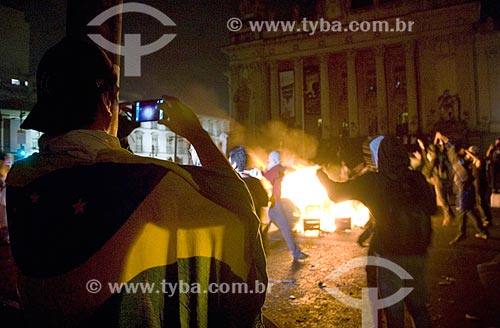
(132, 50)
(369, 303)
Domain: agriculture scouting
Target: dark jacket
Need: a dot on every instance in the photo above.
(385, 192)
(259, 194)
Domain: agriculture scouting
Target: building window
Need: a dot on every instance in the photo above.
(211, 127)
(138, 142)
(182, 147)
(154, 145)
(170, 144)
(361, 3)
(34, 142)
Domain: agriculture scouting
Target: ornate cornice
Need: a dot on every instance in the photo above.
(457, 20)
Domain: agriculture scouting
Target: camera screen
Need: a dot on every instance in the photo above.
(146, 111)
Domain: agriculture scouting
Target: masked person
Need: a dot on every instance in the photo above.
(86, 215)
(278, 213)
(238, 158)
(401, 203)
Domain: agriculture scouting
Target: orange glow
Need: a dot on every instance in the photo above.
(303, 188)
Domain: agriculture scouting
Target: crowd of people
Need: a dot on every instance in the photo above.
(454, 169)
(406, 197)
(85, 209)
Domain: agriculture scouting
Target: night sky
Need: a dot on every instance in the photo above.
(191, 67)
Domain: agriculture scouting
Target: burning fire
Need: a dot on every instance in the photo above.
(303, 188)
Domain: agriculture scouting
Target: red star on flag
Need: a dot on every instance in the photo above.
(79, 206)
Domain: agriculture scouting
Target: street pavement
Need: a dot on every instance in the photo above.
(300, 297)
(299, 293)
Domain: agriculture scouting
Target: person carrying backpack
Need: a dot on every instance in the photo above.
(401, 208)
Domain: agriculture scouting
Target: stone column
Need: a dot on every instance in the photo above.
(352, 94)
(411, 88)
(299, 92)
(263, 113)
(325, 96)
(233, 79)
(255, 98)
(381, 90)
(483, 91)
(274, 91)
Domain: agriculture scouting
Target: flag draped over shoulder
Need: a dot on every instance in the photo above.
(132, 242)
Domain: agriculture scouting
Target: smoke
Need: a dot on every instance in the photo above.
(295, 146)
(203, 100)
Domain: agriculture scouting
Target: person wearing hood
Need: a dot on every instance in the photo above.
(277, 212)
(401, 208)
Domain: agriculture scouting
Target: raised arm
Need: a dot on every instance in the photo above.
(181, 119)
(427, 166)
(453, 157)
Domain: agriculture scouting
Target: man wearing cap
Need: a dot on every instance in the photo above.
(88, 218)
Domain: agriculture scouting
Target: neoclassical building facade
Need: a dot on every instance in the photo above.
(444, 72)
(152, 139)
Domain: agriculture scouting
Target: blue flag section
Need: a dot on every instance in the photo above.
(62, 227)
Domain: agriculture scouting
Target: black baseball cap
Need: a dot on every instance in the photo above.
(70, 77)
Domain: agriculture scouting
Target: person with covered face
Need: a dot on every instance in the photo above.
(437, 170)
(278, 213)
(238, 157)
(401, 202)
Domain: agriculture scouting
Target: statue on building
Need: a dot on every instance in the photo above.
(449, 106)
(451, 116)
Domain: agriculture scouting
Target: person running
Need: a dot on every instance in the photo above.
(277, 212)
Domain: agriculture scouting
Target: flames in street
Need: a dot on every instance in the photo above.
(302, 187)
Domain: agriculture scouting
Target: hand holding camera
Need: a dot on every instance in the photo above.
(181, 119)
